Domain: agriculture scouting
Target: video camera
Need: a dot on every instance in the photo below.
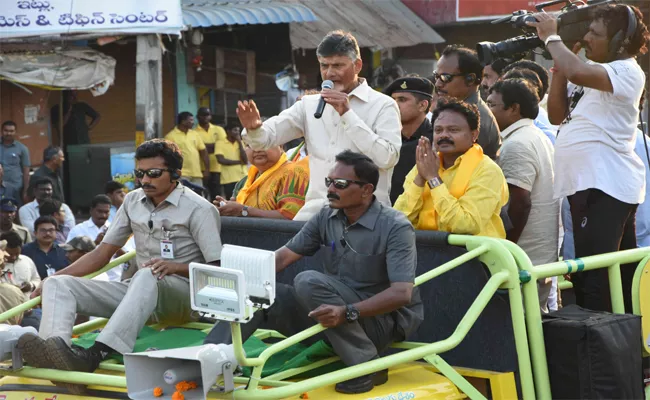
(573, 24)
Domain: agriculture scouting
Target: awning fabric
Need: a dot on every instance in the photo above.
(384, 23)
(78, 68)
(233, 12)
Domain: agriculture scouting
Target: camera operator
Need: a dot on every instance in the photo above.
(594, 151)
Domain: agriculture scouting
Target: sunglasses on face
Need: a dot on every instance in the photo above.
(341, 183)
(445, 78)
(151, 173)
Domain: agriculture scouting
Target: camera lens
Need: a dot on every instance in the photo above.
(514, 48)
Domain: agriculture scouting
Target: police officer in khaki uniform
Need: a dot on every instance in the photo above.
(172, 227)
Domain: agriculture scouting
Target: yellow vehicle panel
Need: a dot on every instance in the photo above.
(405, 382)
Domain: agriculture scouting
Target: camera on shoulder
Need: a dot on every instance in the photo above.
(573, 24)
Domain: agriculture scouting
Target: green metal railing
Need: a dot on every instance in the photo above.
(504, 275)
(529, 274)
(28, 305)
(491, 252)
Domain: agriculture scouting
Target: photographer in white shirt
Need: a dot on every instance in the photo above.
(596, 104)
(355, 117)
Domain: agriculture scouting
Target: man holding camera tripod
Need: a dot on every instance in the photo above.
(596, 104)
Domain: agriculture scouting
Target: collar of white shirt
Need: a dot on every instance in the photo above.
(517, 125)
(362, 92)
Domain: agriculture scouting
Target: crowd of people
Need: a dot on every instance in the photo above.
(471, 150)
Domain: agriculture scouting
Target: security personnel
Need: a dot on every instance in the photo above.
(413, 96)
(172, 227)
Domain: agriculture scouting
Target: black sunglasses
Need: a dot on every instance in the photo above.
(341, 183)
(151, 173)
(445, 78)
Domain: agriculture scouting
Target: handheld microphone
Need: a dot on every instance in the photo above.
(321, 103)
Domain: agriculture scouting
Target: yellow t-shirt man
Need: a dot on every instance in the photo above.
(231, 173)
(214, 135)
(190, 144)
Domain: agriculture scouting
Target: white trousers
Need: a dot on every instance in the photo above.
(129, 305)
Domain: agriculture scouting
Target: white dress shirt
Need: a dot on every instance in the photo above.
(526, 159)
(21, 271)
(372, 126)
(86, 228)
(29, 213)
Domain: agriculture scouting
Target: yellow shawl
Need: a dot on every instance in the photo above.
(457, 187)
(252, 184)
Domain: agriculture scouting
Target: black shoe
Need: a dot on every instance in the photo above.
(363, 383)
(380, 377)
(34, 352)
(73, 358)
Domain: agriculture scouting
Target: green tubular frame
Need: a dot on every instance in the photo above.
(530, 274)
(493, 253)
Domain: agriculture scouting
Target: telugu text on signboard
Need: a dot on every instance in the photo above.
(23, 18)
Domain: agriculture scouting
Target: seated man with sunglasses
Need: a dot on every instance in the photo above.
(458, 75)
(365, 294)
(172, 227)
(454, 187)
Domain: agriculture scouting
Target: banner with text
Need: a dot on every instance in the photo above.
(23, 18)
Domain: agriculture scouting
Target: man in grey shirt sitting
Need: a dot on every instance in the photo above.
(172, 227)
(365, 296)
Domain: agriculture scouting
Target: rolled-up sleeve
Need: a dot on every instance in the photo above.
(381, 142)
(410, 201)
(401, 254)
(473, 210)
(308, 241)
(120, 229)
(278, 130)
(203, 226)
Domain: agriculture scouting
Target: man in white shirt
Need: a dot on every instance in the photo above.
(18, 270)
(97, 225)
(527, 162)
(601, 174)
(356, 117)
(116, 192)
(29, 213)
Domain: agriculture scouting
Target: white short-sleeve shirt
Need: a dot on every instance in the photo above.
(595, 143)
(526, 159)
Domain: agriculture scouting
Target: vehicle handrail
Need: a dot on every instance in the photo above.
(28, 305)
(529, 274)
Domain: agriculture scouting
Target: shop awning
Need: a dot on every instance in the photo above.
(237, 12)
(75, 68)
(383, 23)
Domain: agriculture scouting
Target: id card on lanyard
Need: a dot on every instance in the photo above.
(166, 246)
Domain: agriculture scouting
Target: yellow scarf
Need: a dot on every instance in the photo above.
(457, 187)
(252, 184)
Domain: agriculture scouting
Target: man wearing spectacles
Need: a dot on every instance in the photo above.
(354, 117)
(365, 294)
(454, 187)
(172, 226)
(46, 254)
(458, 75)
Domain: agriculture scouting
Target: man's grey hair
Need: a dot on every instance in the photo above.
(339, 43)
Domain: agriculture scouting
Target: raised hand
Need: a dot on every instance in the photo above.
(248, 114)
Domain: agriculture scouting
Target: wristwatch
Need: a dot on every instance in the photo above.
(434, 182)
(244, 211)
(351, 313)
(552, 38)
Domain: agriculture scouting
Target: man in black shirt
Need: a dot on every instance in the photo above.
(75, 114)
(53, 159)
(413, 96)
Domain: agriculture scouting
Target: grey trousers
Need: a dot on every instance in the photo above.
(355, 342)
(129, 305)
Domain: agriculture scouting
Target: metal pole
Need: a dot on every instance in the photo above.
(148, 91)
